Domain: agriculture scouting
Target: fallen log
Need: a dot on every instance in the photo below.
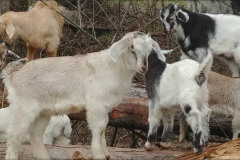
(228, 150)
(132, 113)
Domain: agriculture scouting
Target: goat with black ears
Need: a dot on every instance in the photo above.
(203, 34)
(170, 86)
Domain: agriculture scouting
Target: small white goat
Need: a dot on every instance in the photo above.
(96, 82)
(203, 34)
(58, 130)
(172, 85)
(224, 99)
(40, 28)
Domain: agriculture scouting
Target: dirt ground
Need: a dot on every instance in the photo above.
(67, 152)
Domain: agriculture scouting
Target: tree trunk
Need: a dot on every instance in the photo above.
(132, 113)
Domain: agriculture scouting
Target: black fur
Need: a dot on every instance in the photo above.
(182, 17)
(155, 69)
(171, 9)
(199, 27)
(167, 135)
(153, 137)
(196, 142)
(187, 109)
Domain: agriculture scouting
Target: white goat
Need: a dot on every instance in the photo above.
(58, 130)
(172, 85)
(40, 28)
(224, 99)
(96, 82)
(203, 34)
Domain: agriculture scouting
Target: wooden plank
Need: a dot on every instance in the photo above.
(67, 152)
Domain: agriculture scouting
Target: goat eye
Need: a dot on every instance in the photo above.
(168, 20)
(162, 16)
(134, 54)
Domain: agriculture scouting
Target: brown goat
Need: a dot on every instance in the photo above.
(40, 28)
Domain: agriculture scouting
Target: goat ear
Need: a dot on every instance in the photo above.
(158, 51)
(10, 30)
(182, 16)
(118, 48)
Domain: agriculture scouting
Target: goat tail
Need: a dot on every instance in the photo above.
(204, 68)
(12, 67)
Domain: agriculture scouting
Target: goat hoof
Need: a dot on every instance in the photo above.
(166, 144)
(198, 150)
(107, 157)
(148, 146)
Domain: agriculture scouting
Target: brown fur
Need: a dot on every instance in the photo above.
(40, 28)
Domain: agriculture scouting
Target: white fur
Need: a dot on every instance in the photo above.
(59, 85)
(178, 87)
(58, 127)
(224, 99)
(58, 130)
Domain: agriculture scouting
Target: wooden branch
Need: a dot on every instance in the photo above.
(228, 150)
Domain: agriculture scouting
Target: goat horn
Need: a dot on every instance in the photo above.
(169, 51)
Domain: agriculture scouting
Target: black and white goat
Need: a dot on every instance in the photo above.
(203, 34)
(224, 94)
(170, 86)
